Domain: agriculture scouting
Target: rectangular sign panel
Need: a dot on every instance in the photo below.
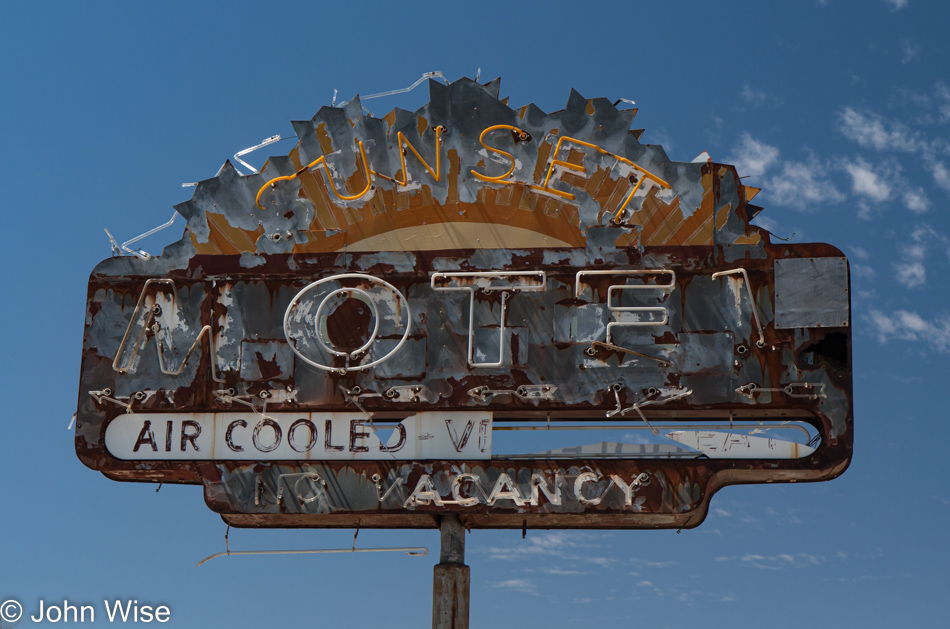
(297, 437)
(613, 315)
(314, 489)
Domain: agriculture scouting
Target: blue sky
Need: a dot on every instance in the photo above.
(839, 110)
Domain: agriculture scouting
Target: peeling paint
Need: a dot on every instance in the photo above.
(326, 301)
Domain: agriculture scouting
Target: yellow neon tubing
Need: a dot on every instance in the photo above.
(368, 180)
(623, 207)
(557, 162)
(481, 140)
(274, 181)
(312, 164)
(554, 161)
(571, 166)
(401, 139)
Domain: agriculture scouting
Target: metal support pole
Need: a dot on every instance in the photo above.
(451, 579)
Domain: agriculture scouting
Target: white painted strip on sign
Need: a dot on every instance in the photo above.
(298, 437)
(728, 445)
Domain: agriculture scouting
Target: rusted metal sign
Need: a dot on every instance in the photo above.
(303, 436)
(526, 319)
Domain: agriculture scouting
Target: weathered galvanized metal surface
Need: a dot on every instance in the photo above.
(477, 260)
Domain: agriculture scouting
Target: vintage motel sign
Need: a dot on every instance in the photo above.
(524, 319)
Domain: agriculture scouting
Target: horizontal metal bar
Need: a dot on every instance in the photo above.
(601, 455)
(412, 551)
(733, 426)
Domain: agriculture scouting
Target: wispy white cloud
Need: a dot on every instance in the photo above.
(519, 585)
(943, 101)
(687, 596)
(915, 200)
(751, 157)
(757, 98)
(863, 271)
(869, 182)
(877, 183)
(781, 561)
(713, 131)
(910, 326)
(896, 5)
(661, 137)
(601, 561)
(911, 270)
(860, 253)
(652, 564)
(809, 184)
(753, 96)
(644, 584)
(865, 211)
(803, 185)
(911, 50)
(584, 600)
(554, 544)
(871, 577)
(931, 107)
(561, 571)
(941, 175)
(870, 130)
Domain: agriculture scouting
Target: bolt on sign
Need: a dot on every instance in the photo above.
(522, 318)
